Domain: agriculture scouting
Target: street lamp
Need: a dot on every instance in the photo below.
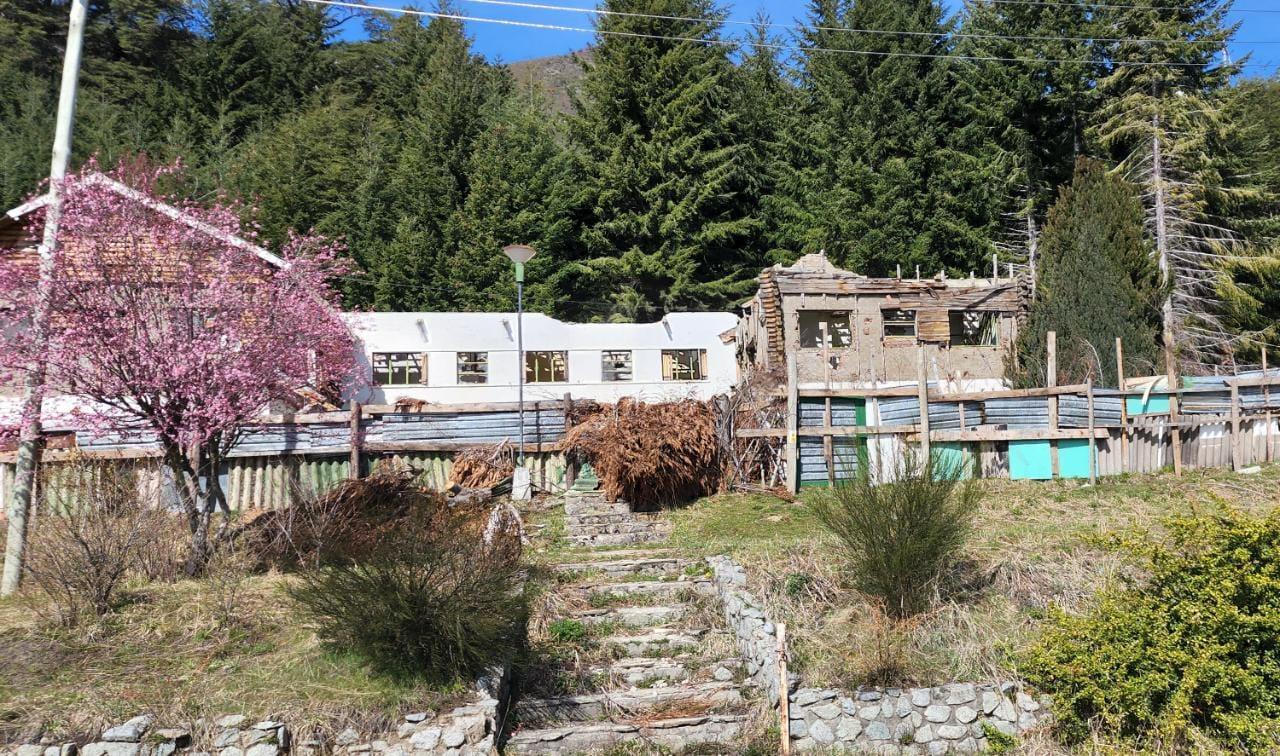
(520, 254)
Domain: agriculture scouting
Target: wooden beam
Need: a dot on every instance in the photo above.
(912, 390)
(922, 384)
(1266, 402)
(1014, 434)
(1124, 407)
(1237, 450)
(449, 446)
(1093, 441)
(355, 470)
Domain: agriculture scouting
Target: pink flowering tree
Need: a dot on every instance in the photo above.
(168, 322)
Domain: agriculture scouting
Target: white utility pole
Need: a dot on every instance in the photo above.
(33, 387)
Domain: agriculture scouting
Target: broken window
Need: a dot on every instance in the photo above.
(615, 366)
(684, 364)
(898, 323)
(473, 367)
(399, 368)
(546, 367)
(974, 328)
(814, 324)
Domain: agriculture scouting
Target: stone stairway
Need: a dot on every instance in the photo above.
(593, 520)
(635, 656)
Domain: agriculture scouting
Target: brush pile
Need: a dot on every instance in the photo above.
(483, 466)
(650, 455)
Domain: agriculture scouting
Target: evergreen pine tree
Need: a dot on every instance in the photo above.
(665, 200)
(1098, 282)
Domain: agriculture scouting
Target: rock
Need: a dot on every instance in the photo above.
(379, 746)
(253, 737)
(1027, 721)
(904, 707)
(406, 729)
(473, 727)
(826, 711)
(453, 737)
(51, 750)
(263, 749)
(68, 749)
(990, 701)
(821, 733)
(418, 716)
(937, 713)
(888, 707)
(960, 693)
(164, 749)
(877, 731)
(1026, 702)
(723, 674)
(177, 736)
(965, 715)
(231, 720)
(937, 747)
(968, 745)
(426, 740)
(129, 732)
(110, 749)
(231, 752)
(1006, 727)
(797, 728)
(920, 697)
(848, 728)
(267, 724)
(360, 748)
(869, 695)
(30, 749)
(227, 739)
(869, 712)
(806, 697)
(923, 735)
(1009, 688)
(952, 732)
(346, 737)
(1005, 711)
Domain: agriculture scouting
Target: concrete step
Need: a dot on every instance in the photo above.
(628, 703)
(635, 566)
(618, 526)
(580, 504)
(675, 733)
(657, 642)
(642, 670)
(632, 616)
(619, 539)
(602, 519)
(667, 590)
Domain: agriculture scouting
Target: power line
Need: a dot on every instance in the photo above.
(888, 32)
(1113, 6)
(734, 43)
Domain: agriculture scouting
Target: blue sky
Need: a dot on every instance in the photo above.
(510, 44)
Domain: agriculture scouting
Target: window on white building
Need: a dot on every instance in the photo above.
(684, 364)
(399, 368)
(815, 323)
(546, 367)
(615, 366)
(899, 323)
(473, 367)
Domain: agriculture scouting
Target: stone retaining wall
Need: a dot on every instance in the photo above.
(959, 717)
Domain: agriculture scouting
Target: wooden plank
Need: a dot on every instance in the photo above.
(355, 470)
(922, 383)
(446, 446)
(1051, 380)
(1093, 445)
(1266, 401)
(793, 422)
(1237, 450)
(1014, 434)
(912, 390)
(1124, 408)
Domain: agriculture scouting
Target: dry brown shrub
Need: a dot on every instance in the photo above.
(650, 455)
(483, 466)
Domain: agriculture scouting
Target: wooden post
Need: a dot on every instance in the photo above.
(922, 377)
(793, 424)
(1051, 381)
(356, 410)
(1266, 403)
(1237, 452)
(784, 690)
(1124, 407)
(1093, 439)
(1171, 376)
(570, 469)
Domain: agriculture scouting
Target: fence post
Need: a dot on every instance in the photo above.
(1266, 402)
(1237, 452)
(356, 410)
(784, 690)
(793, 425)
(922, 377)
(1124, 407)
(1051, 381)
(1093, 438)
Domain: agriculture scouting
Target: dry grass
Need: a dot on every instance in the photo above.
(1032, 548)
(192, 649)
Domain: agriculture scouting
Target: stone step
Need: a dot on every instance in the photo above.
(676, 734)
(632, 616)
(628, 703)
(593, 504)
(658, 642)
(618, 539)
(635, 566)
(631, 526)
(641, 669)
(662, 589)
(603, 519)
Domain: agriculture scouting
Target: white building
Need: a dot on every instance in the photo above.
(471, 357)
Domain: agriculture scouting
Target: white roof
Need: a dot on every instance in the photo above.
(164, 209)
(478, 331)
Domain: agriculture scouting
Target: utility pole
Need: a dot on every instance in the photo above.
(33, 386)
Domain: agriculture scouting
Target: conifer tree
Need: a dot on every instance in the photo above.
(665, 199)
(1098, 282)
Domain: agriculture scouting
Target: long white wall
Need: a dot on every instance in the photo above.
(441, 335)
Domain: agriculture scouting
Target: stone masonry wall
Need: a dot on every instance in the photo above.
(958, 717)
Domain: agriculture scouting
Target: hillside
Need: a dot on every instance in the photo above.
(555, 76)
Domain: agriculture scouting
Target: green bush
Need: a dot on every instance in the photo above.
(900, 536)
(430, 600)
(1190, 648)
(567, 630)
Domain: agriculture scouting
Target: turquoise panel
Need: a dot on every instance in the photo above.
(1029, 460)
(1074, 457)
(1156, 404)
(952, 459)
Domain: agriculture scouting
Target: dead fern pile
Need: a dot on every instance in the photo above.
(650, 455)
(483, 466)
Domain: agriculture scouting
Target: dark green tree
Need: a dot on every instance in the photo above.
(1098, 282)
(665, 198)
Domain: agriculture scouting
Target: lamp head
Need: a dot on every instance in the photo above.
(519, 253)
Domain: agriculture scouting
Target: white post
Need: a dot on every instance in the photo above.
(33, 386)
(521, 485)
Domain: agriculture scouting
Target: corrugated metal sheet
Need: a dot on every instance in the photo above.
(942, 415)
(844, 412)
(813, 460)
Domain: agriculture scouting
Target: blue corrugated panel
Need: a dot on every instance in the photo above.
(1030, 412)
(942, 415)
(844, 412)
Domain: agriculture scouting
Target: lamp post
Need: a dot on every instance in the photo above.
(520, 254)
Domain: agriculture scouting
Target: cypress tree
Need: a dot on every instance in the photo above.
(665, 202)
(1098, 282)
